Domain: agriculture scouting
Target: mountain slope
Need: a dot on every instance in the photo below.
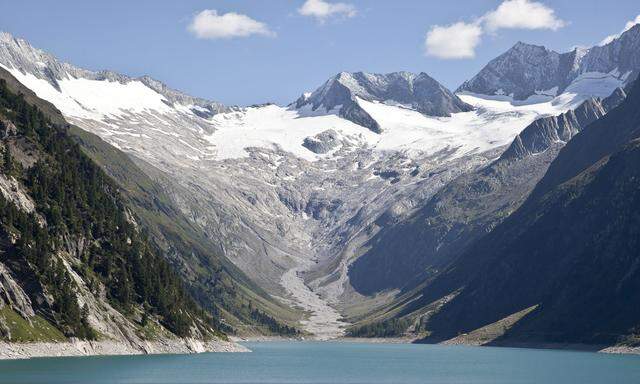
(468, 207)
(214, 281)
(545, 132)
(583, 277)
(73, 261)
(411, 252)
(39, 65)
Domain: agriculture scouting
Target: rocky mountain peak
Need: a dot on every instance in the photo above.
(525, 48)
(419, 92)
(519, 72)
(526, 70)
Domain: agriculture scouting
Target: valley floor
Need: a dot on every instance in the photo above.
(324, 322)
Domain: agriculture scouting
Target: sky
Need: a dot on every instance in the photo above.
(244, 52)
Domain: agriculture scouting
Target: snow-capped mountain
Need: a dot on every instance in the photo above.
(418, 92)
(409, 252)
(529, 71)
(70, 80)
(109, 101)
(291, 193)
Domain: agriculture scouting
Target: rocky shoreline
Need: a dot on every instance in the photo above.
(77, 348)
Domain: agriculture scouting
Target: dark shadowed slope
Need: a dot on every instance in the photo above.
(572, 249)
(405, 253)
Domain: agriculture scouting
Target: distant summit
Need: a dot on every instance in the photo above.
(526, 70)
(419, 92)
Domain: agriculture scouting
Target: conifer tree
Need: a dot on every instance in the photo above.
(7, 160)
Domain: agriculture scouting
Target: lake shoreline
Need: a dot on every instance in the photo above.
(335, 362)
(580, 347)
(79, 348)
(612, 349)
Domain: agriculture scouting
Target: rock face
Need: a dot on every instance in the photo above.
(7, 128)
(11, 294)
(520, 72)
(419, 92)
(527, 70)
(547, 131)
(11, 189)
(323, 142)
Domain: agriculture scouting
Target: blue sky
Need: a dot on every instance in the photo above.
(281, 49)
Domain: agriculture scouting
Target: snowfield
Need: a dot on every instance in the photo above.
(494, 123)
(273, 126)
(496, 120)
(94, 99)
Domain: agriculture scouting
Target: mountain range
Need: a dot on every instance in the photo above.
(378, 204)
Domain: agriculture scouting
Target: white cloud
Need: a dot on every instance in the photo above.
(459, 40)
(522, 14)
(322, 10)
(208, 24)
(455, 41)
(627, 27)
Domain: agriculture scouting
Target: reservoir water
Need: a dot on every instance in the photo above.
(336, 363)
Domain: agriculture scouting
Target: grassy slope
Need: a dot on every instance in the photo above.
(22, 331)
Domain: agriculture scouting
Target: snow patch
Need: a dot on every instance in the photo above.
(597, 84)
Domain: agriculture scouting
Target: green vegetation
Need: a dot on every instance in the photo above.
(81, 205)
(23, 331)
(7, 161)
(272, 324)
(150, 330)
(387, 328)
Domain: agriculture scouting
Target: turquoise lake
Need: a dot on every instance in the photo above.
(336, 362)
